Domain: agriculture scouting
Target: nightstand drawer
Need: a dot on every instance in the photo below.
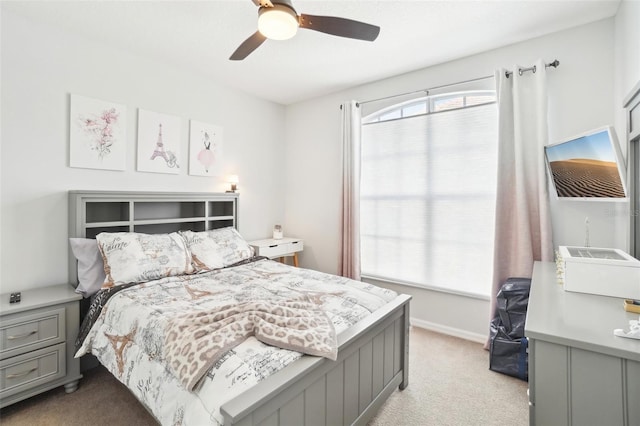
(28, 332)
(276, 250)
(32, 369)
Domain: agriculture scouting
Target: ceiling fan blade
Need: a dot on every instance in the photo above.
(248, 46)
(340, 27)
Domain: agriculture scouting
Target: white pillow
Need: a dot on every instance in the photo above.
(216, 248)
(90, 266)
(131, 257)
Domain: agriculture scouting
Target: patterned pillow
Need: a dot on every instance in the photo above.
(134, 257)
(216, 248)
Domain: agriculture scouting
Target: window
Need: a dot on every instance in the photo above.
(435, 103)
(428, 192)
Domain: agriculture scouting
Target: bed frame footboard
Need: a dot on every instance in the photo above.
(373, 359)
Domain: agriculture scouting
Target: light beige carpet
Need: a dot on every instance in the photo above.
(449, 384)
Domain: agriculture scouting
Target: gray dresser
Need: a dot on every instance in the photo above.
(579, 372)
(37, 339)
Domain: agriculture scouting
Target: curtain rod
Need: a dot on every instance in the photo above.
(426, 91)
(553, 64)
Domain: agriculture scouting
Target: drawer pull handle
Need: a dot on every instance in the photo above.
(22, 336)
(21, 374)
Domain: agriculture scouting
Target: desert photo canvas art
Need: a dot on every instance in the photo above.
(586, 167)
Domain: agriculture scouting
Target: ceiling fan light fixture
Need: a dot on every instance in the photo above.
(278, 22)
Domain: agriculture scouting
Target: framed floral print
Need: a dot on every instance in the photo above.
(97, 134)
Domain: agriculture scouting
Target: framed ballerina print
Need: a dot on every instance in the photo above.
(205, 149)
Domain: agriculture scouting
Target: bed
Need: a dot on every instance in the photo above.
(345, 380)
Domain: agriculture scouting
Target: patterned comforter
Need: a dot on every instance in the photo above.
(127, 330)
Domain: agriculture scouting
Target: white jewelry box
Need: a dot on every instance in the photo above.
(603, 271)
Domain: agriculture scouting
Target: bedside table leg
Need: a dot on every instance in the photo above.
(295, 259)
(71, 386)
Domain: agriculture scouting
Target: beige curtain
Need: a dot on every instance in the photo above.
(523, 222)
(350, 224)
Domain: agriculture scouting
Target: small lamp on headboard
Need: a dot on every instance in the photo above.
(233, 180)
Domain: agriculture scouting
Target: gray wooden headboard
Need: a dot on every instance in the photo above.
(92, 212)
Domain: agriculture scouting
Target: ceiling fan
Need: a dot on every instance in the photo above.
(278, 20)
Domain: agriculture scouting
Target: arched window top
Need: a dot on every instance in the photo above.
(431, 104)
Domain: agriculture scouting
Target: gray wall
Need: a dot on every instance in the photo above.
(41, 66)
(581, 97)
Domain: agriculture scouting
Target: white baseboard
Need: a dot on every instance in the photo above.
(456, 332)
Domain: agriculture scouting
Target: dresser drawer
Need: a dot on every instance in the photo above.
(25, 333)
(35, 368)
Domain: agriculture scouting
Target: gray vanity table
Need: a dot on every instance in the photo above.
(579, 372)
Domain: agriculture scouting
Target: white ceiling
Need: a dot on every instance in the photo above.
(201, 35)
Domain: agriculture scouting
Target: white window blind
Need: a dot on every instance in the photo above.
(428, 199)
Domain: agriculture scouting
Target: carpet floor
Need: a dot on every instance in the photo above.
(450, 384)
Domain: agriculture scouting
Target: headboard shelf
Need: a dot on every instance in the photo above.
(92, 232)
(162, 221)
(93, 212)
(110, 211)
(214, 218)
(165, 210)
(107, 224)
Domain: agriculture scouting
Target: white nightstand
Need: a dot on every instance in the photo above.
(279, 248)
(37, 337)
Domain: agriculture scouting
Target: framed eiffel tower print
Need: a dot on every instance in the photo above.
(159, 142)
(205, 149)
(97, 134)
